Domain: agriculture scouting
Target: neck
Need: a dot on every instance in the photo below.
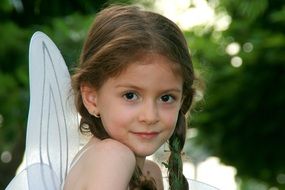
(140, 162)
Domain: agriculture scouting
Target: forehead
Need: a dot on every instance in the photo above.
(150, 70)
(149, 58)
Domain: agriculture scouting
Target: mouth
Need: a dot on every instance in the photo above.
(146, 135)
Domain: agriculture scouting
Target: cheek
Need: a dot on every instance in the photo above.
(170, 123)
(115, 119)
(170, 119)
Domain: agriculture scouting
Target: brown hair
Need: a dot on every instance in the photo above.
(117, 36)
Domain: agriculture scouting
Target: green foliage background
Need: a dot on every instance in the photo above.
(241, 118)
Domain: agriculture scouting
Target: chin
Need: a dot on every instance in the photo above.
(144, 153)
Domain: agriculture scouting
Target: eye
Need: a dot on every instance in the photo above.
(130, 96)
(167, 98)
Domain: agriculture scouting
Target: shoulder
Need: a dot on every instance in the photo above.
(112, 152)
(149, 164)
(115, 146)
(151, 168)
(103, 163)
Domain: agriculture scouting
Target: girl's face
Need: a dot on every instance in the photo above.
(139, 108)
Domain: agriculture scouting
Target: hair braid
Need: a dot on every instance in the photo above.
(175, 165)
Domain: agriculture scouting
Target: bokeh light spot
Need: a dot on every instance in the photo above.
(247, 47)
(6, 157)
(233, 48)
(236, 61)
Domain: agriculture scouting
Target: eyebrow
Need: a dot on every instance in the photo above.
(178, 90)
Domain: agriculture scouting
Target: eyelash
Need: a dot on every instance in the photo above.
(132, 96)
(171, 98)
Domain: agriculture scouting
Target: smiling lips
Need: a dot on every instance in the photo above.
(146, 135)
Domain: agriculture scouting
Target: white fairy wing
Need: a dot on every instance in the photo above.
(52, 132)
(44, 178)
(197, 185)
(193, 185)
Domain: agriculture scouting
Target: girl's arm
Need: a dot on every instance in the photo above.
(109, 166)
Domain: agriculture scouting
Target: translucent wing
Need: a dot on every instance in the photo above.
(52, 134)
(197, 185)
(44, 178)
(193, 185)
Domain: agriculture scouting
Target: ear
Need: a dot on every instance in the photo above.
(89, 98)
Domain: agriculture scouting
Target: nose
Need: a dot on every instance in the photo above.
(149, 113)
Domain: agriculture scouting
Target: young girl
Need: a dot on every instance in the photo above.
(132, 88)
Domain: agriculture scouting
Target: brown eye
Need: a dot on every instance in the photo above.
(167, 98)
(130, 96)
